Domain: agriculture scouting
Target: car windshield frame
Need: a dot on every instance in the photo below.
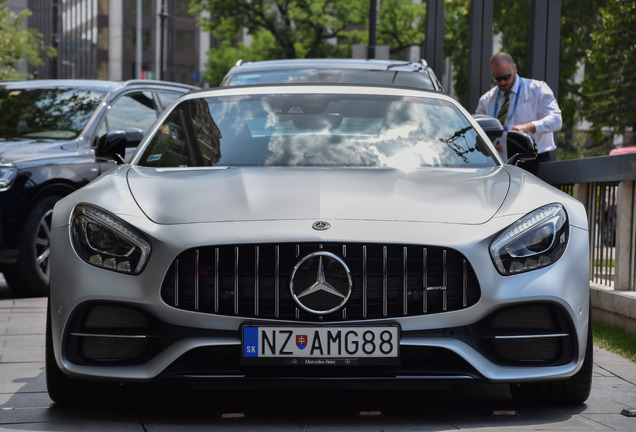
(47, 113)
(315, 130)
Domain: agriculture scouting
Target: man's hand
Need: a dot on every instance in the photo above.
(526, 127)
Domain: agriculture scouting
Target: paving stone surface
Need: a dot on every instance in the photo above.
(25, 405)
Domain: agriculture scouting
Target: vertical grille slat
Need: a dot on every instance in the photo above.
(405, 280)
(216, 280)
(196, 280)
(425, 280)
(253, 281)
(464, 283)
(236, 280)
(365, 299)
(385, 282)
(277, 281)
(445, 281)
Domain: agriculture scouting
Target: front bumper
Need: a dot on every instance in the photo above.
(476, 342)
(505, 346)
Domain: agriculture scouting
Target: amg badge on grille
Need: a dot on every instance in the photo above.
(321, 283)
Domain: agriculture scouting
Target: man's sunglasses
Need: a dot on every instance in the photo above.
(505, 77)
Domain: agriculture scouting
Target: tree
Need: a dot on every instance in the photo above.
(18, 43)
(401, 24)
(610, 83)
(457, 30)
(279, 29)
(302, 28)
(578, 22)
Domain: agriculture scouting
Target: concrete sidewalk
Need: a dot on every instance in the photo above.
(25, 405)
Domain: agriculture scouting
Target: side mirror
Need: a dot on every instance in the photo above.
(490, 125)
(521, 147)
(113, 145)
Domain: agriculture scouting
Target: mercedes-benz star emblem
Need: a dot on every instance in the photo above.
(321, 225)
(321, 283)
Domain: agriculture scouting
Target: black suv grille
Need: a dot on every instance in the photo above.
(252, 281)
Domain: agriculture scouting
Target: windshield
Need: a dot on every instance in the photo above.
(316, 130)
(57, 113)
(347, 76)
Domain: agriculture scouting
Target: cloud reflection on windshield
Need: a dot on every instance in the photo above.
(408, 143)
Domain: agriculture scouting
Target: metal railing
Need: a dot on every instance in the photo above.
(606, 186)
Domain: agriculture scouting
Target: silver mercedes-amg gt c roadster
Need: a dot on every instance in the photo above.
(305, 235)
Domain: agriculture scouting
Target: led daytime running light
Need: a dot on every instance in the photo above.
(525, 224)
(535, 241)
(105, 241)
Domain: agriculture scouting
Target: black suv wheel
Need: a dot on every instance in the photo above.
(30, 275)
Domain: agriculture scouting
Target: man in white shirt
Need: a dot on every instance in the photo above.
(521, 104)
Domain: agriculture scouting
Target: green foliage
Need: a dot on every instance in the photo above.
(302, 28)
(457, 30)
(401, 24)
(512, 21)
(18, 43)
(578, 23)
(616, 340)
(597, 34)
(610, 83)
(279, 29)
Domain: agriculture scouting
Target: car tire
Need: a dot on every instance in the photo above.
(65, 390)
(572, 391)
(29, 276)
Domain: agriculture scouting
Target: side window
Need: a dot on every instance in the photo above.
(132, 110)
(167, 97)
(188, 137)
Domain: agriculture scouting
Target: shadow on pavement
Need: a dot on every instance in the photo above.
(172, 407)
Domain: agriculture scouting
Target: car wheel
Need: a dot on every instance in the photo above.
(65, 390)
(572, 391)
(30, 274)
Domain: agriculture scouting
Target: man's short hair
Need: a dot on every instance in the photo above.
(502, 56)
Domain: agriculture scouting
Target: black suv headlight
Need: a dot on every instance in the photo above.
(535, 241)
(8, 174)
(105, 241)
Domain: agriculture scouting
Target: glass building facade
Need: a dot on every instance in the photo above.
(98, 39)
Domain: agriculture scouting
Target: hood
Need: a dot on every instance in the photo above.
(462, 196)
(17, 151)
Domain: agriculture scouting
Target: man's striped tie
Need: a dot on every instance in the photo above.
(501, 116)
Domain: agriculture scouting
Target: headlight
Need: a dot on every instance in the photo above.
(7, 176)
(104, 240)
(535, 241)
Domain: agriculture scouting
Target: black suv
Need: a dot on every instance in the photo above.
(349, 71)
(48, 130)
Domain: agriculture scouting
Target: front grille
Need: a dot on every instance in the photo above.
(252, 281)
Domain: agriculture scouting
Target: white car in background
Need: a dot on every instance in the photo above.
(333, 71)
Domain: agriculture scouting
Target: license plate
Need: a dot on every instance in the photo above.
(320, 346)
